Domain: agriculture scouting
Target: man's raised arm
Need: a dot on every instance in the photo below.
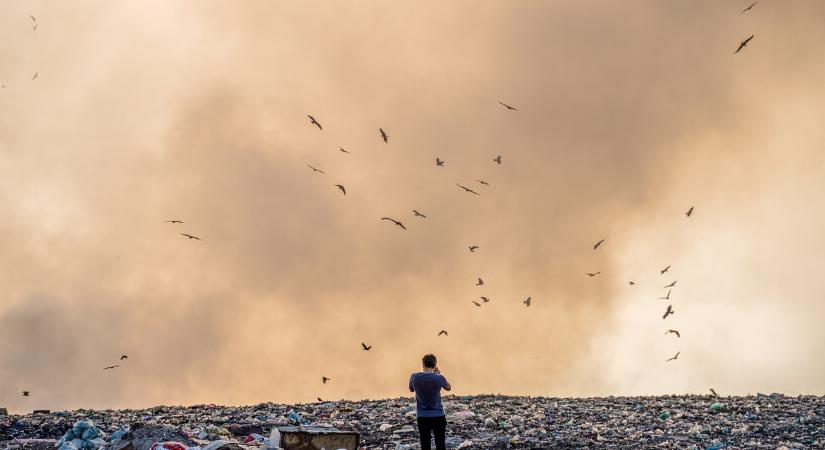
(446, 384)
(412, 389)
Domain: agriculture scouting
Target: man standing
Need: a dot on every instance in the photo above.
(427, 387)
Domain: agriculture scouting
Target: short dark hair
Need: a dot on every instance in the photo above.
(429, 360)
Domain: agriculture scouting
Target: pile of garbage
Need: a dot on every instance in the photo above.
(474, 422)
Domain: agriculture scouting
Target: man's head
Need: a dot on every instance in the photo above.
(429, 361)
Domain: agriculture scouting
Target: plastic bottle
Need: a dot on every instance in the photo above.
(275, 438)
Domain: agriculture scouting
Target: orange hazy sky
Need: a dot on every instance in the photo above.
(628, 114)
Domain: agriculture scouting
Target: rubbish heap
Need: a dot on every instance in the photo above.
(474, 422)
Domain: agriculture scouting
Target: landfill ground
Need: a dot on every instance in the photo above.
(489, 421)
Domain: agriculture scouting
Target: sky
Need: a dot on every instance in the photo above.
(628, 114)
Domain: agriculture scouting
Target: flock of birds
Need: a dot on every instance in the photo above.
(472, 248)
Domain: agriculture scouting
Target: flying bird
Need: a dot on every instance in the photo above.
(314, 122)
(189, 236)
(713, 392)
(439, 162)
(662, 272)
(669, 285)
(319, 399)
(395, 222)
(35, 76)
(341, 187)
(174, 221)
(668, 312)
(124, 357)
(365, 346)
(111, 367)
(477, 303)
(598, 244)
(26, 393)
(444, 332)
(418, 214)
(483, 182)
(666, 297)
(473, 248)
(631, 283)
(507, 106)
(342, 149)
(748, 8)
(743, 44)
(674, 332)
(497, 159)
(33, 18)
(593, 274)
(315, 170)
(689, 212)
(485, 299)
(34, 28)
(676, 356)
(467, 189)
(527, 301)
(479, 282)
(325, 379)
(383, 135)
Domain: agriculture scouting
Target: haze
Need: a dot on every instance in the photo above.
(628, 114)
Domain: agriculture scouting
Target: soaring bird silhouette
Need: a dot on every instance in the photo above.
(669, 285)
(124, 357)
(528, 301)
(477, 303)
(33, 18)
(439, 162)
(593, 274)
(631, 283)
(479, 282)
(111, 367)
(384, 135)
(497, 159)
(483, 182)
(748, 8)
(743, 44)
(674, 332)
(484, 300)
(473, 248)
(319, 399)
(713, 392)
(34, 28)
(342, 150)
(26, 393)
(467, 189)
(666, 297)
(190, 236)
(508, 106)
(395, 222)
(35, 76)
(444, 332)
(676, 356)
(418, 214)
(662, 272)
(325, 379)
(668, 312)
(341, 187)
(315, 169)
(689, 212)
(174, 221)
(314, 122)
(366, 347)
(598, 244)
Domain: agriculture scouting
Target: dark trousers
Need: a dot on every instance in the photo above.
(435, 425)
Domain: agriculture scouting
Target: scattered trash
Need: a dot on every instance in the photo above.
(168, 446)
(474, 422)
(718, 406)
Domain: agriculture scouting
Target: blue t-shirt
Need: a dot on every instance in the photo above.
(427, 387)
